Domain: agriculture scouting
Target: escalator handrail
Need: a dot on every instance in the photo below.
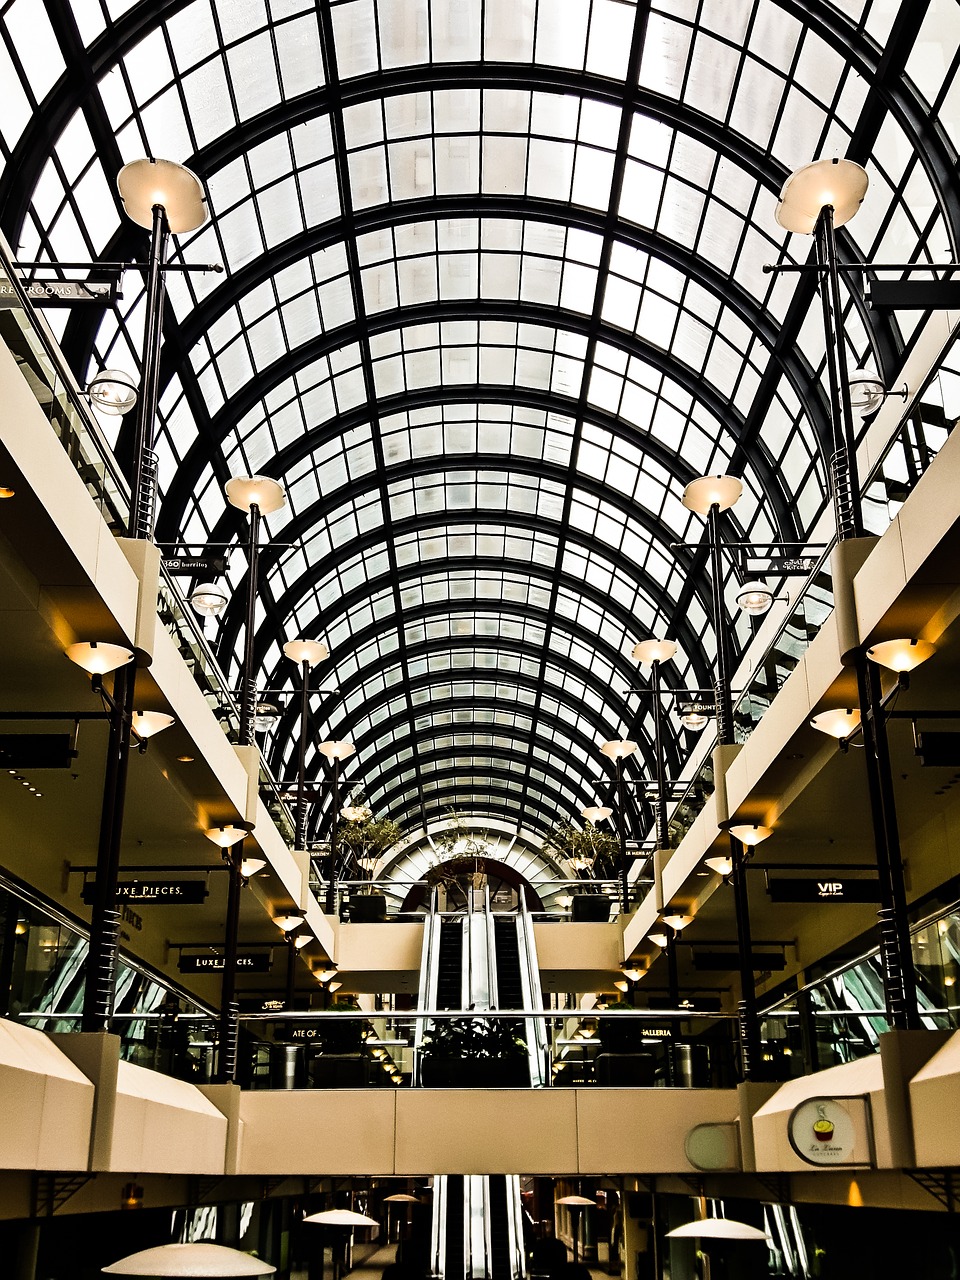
(536, 1028)
(429, 975)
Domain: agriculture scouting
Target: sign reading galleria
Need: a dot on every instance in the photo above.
(831, 1132)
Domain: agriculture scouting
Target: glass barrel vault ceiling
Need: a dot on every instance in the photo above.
(493, 294)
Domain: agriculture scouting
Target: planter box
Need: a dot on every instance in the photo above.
(474, 1073)
(591, 907)
(624, 1070)
(343, 1071)
(368, 908)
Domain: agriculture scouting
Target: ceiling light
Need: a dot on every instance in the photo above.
(98, 658)
(144, 184)
(286, 923)
(754, 598)
(255, 491)
(650, 651)
(618, 748)
(678, 921)
(197, 1259)
(334, 986)
(186, 759)
(148, 723)
(7, 491)
(113, 392)
(722, 866)
(719, 1229)
(694, 720)
(841, 184)
(301, 941)
(838, 722)
(901, 655)
(867, 392)
(632, 973)
(950, 980)
(250, 866)
(337, 750)
(750, 833)
(265, 717)
(708, 491)
(306, 651)
(227, 835)
(596, 812)
(658, 939)
(209, 599)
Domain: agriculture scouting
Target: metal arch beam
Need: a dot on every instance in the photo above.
(241, 402)
(414, 572)
(276, 615)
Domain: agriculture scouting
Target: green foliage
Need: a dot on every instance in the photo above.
(367, 841)
(589, 848)
(474, 1038)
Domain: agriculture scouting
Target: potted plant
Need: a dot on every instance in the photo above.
(341, 1063)
(363, 840)
(586, 850)
(470, 1053)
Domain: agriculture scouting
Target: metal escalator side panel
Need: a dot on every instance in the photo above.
(536, 1031)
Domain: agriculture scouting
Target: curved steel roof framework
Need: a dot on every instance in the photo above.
(493, 294)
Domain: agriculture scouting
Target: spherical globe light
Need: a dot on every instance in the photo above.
(113, 392)
(754, 597)
(867, 392)
(209, 599)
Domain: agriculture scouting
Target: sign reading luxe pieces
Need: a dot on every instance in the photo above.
(157, 892)
(251, 962)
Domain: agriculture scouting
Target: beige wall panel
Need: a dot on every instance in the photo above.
(930, 512)
(578, 946)
(45, 1101)
(165, 1126)
(363, 947)
(486, 1131)
(318, 1131)
(935, 1105)
(881, 579)
(821, 661)
(780, 722)
(643, 1130)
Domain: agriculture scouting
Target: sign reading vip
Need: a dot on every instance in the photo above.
(250, 962)
(155, 892)
(830, 889)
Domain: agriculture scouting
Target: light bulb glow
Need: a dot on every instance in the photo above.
(596, 813)
(287, 922)
(618, 748)
(677, 920)
(148, 723)
(901, 655)
(750, 833)
(722, 866)
(250, 866)
(838, 722)
(650, 651)
(227, 835)
(709, 491)
(98, 658)
(306, 651)
(658, 939)
(337, 750)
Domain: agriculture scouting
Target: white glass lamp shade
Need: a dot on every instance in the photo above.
(98, 658)
(209, 599)
(694, 720)
(341, 1218)
(596, 812)
(113, 392)
(564, 900)
(618, 748)
(574, 1201)
(356, 812)
(306, 651)
(867, 392)
(143, 184)
(198, 1261)
(265, 717)
(287, 923)
(677, 920)
(250, 866)
(750, 833)
(709, 491)
(400, 1198)
(721, 865)
(302, 941)
(719, 1229)
(754, 597)
(337, 750)
(658, 939)
(901, 655)
(334, 986)
(622, 985)
(227, 835)
(650, 651)
(839, 722)
(839, 183)
(261, 492)
(632, 973)
(324, 975)
(148, 723)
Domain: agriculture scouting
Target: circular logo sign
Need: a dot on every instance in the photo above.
(823, 1132)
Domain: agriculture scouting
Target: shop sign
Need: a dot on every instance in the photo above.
(209, 565)
(829, 889)
(58, 293)
(831, 1132)
(154, 892)
(251, 962)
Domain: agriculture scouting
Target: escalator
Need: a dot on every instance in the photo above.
(509, 980)
(454, 1252)
(449, 992)
(500, 1258)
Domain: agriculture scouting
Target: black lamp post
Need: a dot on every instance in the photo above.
(617, 750)
(335, 751)
(817, 199)
(307, 654)
(162, 197)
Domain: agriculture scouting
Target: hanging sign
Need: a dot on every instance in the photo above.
(210, 565)
(697, 708)
(831, 1132)
(250, 962)
(780, 566)
(830, 889)
(155, 892)
(59, 293)
(722, 961)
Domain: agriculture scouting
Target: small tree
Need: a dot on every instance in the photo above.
(366, 841)
(590, 851)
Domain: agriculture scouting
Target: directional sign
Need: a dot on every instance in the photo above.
(721, 961)
(59, 293)
(780, 566)
(36, 751)
(210, 565)
(829, 889)
(251, 962)
(155, 892)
